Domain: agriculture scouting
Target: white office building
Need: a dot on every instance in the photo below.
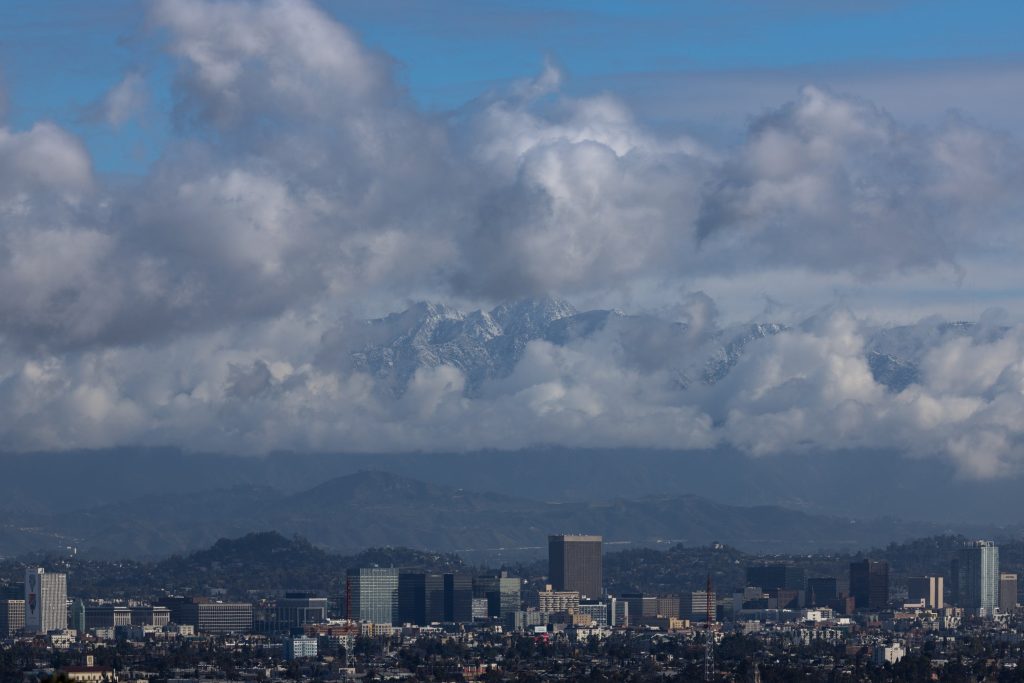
(46, 601)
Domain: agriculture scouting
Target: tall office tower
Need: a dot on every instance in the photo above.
(574, 564)
(12, 617)
(978, 578)
(420, 598)
(46, 601)
(1007, 592)
(821, 591)
(458, 598)
(774, 576)
(926, 589)
(502, 592)
(77, 616)
(869, 584)
(371, 594)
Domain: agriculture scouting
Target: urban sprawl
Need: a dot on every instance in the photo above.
(391, 623)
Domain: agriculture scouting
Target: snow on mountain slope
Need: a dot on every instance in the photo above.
(487, 345)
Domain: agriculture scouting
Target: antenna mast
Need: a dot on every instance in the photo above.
(709, 637)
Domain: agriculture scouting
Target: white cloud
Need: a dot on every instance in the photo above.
(201, 306)
(125, 100)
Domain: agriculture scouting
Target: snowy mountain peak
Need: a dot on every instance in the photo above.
(487, 345)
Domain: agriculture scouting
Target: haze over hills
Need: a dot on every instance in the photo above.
(349, 513)
(152, 502)
(846, 483)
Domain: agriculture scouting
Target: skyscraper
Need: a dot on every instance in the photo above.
(821, 591)
(978, 578)
(420, 598)
(773, 576)
(458, 598)
(1007, 592)
(46, 601)
(12, 617)
(574, 564)
(371, 594)
(503, 593)
(869, 584)
(926, 589)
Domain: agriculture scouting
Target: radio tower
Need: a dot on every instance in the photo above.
(709, 638)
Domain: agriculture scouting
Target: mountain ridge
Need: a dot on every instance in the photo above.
(374, 508)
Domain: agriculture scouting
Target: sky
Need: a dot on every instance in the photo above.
(201, 201)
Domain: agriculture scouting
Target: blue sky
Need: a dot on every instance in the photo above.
(60, 57)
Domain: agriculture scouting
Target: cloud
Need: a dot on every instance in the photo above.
(122, 103)
(833, 183)
(215, 303)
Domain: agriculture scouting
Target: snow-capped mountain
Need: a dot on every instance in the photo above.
(487, 345)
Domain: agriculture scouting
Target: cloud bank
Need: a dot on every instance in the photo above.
(203, 305)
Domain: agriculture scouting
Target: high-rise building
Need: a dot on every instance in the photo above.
(458, 598)
(76, 615)
(774, 576)
(869, 584)
(696, 607)
(574, 564)
(46, 601)
(12, 617)
(821, 591)
(420, 598)
(927, 590)
(1007, 592)
(502, 592)
(371, 594)
(618, 612)
(954, 581)
(978, 578)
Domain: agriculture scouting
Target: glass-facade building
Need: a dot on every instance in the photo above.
(420, 598)
(502, 592)
(869, 584)
(371, 594)
(978, 580)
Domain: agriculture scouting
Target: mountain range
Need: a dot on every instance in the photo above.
(487, 345)
(367, 509)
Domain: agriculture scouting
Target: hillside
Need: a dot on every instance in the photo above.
(369, 509)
